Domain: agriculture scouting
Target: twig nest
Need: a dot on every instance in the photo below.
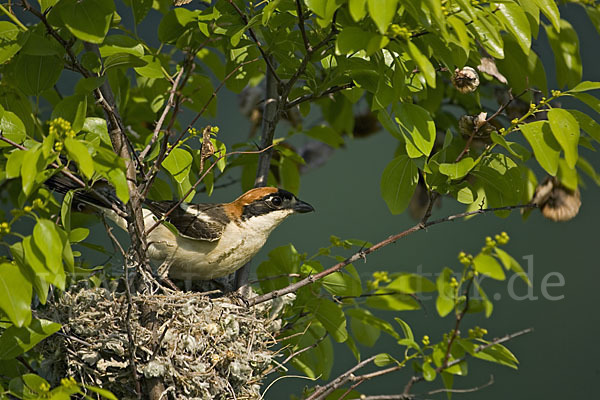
(200, 348)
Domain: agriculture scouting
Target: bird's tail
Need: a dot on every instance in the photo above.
(101, 195)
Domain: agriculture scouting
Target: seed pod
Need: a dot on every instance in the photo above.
(556, 201)
(465, 80)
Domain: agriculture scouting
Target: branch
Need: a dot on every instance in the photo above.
(363, 253)
(323, 391)
(469, 390)
(161, 120)
(459, 319)
(310, 97)
(258, 44)
(505, 338)
(149, 178)
(307, 45)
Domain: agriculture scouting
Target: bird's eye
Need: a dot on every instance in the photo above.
(276, 201)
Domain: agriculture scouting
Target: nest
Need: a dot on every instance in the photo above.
(198, 347)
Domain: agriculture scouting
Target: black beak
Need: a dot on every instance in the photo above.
(302, 207)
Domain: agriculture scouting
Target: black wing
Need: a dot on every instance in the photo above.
(193, 221)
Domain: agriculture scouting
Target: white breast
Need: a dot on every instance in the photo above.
(202, 260)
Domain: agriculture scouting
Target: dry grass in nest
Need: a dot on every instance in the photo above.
(199, 347)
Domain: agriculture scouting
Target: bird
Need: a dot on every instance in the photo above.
(203, 241)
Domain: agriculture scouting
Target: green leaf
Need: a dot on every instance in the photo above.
(11, 40)
(341, 284)
(123, 60)
(460, 30)
(65, 209)
(289, 175)
(383, 359)
(17, 340)
(545, 147)
(408, 334)
(487, 265)
(325, 134)
(174, 24)
(98, 127)
(515, 20)
(16, 294)
(72, 109)
(489, 35)
(13, 164)
(366, 317)
(496, 353)
(114, 44)
(358, 9)
(364, 333)
(565, 46)
(502, 181)
(511, 264)
(111, 166)
(33, 164)
(152, 69)
(393, 302)
(353, 39)
(416, 121)
(587, 123)
(35, 74)
(425, 66)
(39, 283)
(12, 127)
(513, 148)
(428, 372)
(457, 170)
(445, 299)
(332, 317)
(411, 283)
(585, 86)
(140, 8)
(103, 392)
(47, 239)
(566, 131)
(78, 234)
(178, 163)
(79, 152)
(382, 13)
(398, 183)
(550, 10)
(87, 20)
(592, 101)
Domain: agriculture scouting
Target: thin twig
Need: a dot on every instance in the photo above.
(468, 390)
(154, 171)
(258, 44)
(503, 339)
(307, 45)
(161, 120)
(131, 347)
(363, 253)
(311, 97)
(459, 319)
(323, 391)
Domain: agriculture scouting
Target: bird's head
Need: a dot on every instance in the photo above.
(267, 205)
